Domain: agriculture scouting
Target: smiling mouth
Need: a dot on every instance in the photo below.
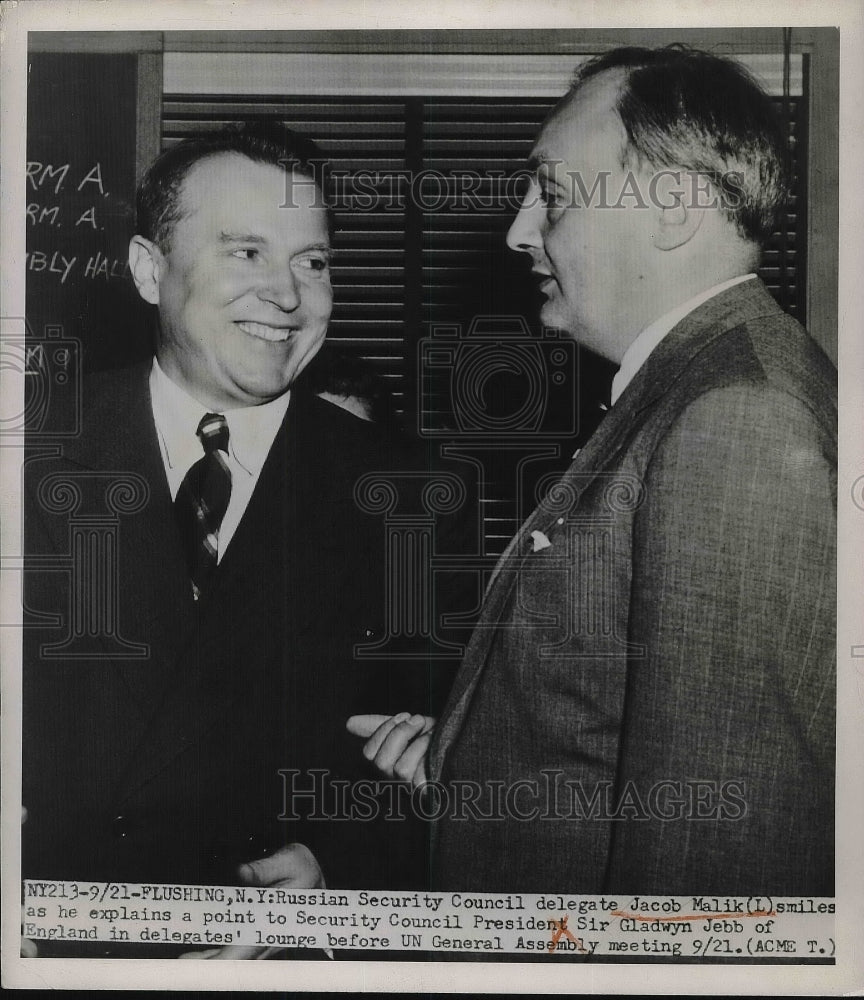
(275, 334)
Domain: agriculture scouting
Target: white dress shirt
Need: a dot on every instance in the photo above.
(251, 432)
(637, 353)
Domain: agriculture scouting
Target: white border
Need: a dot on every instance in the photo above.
(113, 15)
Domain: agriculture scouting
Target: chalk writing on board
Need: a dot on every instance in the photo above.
(66, 201)
(41, 174)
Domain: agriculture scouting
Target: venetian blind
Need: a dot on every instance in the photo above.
(425, 194)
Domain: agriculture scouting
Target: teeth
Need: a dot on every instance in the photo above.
(264, 332)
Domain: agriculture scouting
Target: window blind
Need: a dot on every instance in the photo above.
(425, 194)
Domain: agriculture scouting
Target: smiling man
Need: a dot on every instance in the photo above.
(166, 718)
(241, 276)
(647, 703)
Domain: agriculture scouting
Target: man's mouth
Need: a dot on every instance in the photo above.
(542, 278)
(263, 331)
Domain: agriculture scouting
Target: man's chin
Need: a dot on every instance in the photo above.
(251, 391)
(552, 318)
(266, 394)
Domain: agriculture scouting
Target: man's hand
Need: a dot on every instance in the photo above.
(396, 744)
(293, 866)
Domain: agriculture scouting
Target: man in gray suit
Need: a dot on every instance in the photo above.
(647, 703)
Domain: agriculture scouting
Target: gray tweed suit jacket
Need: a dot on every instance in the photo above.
(647, 704)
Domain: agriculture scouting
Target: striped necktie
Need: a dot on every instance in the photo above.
(202, 500)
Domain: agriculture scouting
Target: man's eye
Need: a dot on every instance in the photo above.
(316, 264)
(522, 183)
(245, 253)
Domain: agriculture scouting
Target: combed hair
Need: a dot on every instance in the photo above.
(157, 205)
(688, 109)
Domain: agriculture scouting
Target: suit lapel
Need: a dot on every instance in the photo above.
(201, 688)
(200, 684)
(598, 454)
(665, 366)
(154, 604)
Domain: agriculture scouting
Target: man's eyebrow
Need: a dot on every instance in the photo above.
(540, 163)
(535, 160)
(240, 238)
(255, 238)
(540, 158)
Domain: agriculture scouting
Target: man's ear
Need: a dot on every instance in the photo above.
(147, 264)
(677, 216)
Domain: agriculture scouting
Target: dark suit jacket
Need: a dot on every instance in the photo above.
(671, 652)
(162, 749)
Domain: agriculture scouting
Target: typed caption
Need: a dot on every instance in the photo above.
(696, 927)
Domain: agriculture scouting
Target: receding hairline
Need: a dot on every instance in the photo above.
(564, 107)
(182, 208)
(613, 81)
(289, 168)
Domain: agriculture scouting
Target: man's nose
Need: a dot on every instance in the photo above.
(280, 288)
(525, 233)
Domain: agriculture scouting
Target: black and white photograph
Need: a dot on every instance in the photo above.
(431, 492)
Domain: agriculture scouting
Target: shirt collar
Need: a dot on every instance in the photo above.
(637, 353)
(251, 429)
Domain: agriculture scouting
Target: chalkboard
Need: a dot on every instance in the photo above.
(81, 142)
